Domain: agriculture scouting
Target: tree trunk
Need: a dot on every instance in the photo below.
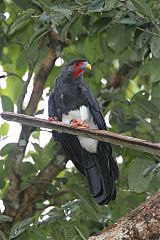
(141, 223)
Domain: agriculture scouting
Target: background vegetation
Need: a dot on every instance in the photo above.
(121, 39)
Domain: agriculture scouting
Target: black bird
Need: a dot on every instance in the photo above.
(72, 102)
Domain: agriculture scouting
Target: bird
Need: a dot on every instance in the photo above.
(72, 102)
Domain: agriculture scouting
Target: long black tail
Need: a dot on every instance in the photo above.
(101, 172)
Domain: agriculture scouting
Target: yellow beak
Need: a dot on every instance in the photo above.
(88, 66)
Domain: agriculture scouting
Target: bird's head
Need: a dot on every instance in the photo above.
(76, 67)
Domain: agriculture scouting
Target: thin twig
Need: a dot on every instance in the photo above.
(147, 31)
(7, 74)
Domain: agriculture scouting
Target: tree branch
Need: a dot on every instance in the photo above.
(36, 189)
(42, 75)
(125, 72)
(31, 67)
(101, 135)
(12, 197)
(141, 223)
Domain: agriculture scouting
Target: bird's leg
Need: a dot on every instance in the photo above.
(81, 124)
(53, 119)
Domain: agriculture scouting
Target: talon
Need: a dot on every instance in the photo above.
(74, 121)
(53, 119)
(74, 125)
(81, 124)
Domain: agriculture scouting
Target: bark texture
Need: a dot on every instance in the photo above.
(141, 223)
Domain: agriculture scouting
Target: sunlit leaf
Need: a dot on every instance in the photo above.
(4, 129)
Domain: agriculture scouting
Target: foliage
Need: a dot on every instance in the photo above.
(121, 39)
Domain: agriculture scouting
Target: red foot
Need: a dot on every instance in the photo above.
(53, 119)
(81, 124)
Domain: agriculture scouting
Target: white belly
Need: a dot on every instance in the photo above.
(84, 114)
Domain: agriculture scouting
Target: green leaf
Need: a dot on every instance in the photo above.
(128, 21)
(28, 169)
(2, 6)
(99, 25)
(129, 124)
(155, 94)
(143, 8)
(117, 34)
(91, 46)
(86, 201)
(151, 68)
(110, 4)
(151, 169)
(155, 46)
(7, 104)
(14, 85)
(2, 17)
(5, 218)
(24, 4)
(2, 182)
(20, 23)
(20, 227)
(96, 6)
(36, 134)
(55, 214)
(141, 99)
(2, 237)
(66, 12)
(38, 33)
(44, 5)
(4, 129)
(136, 180)
(82, 2)
(69, 231)
(21, 63)
(80, 233)
(7, 149)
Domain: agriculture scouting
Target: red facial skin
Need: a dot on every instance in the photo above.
(77, 69)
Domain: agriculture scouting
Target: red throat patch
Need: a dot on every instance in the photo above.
(77, 69)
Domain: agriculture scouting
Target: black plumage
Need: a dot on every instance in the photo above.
(95, 162)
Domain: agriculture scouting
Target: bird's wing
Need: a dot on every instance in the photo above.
(100, 168)
(52, 105)
(93, 106)
(70, 143)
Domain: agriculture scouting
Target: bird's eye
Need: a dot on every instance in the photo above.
(76, 63)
